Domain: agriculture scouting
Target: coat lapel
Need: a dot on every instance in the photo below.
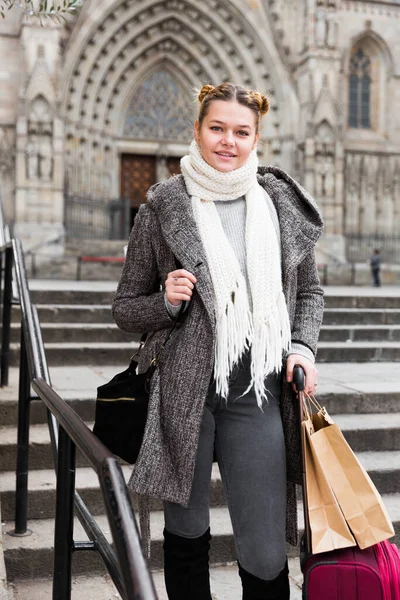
(299, 232)
(174, 211)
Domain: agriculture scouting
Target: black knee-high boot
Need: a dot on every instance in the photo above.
(186, 570)
(259, 589)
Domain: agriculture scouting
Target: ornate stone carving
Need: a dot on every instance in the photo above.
(39, 146)
(160, 110)
(7, 153)
(372, 195)
(212, 20)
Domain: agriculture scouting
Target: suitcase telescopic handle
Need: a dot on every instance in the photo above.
(299, 380)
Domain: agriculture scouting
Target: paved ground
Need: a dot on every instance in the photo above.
(225, 585)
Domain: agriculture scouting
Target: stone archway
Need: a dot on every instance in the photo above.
(114, 47)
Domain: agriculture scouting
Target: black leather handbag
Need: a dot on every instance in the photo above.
(121, 407)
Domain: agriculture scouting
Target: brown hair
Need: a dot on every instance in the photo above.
(226, 91)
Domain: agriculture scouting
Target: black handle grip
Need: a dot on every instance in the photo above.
(299, 378)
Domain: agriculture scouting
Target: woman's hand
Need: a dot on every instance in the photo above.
(310, 371)
(179, 286)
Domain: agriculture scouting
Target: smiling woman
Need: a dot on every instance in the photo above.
(227, 135)
(232, 245)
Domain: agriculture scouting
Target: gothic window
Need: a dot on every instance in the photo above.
(360, 90)
(160, 109)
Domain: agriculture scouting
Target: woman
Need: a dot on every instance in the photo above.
(231, 246)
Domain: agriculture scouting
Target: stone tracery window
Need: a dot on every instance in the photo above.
(360, 90)
(160, 109)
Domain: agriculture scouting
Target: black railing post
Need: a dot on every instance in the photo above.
(7, 304)
(21, 494)
(64, 522)
(2, 251)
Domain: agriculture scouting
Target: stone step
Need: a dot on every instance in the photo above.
(82, 354)
(70, 313)
(358, 352)
(224, 579)
(32, 556)
(119, 353)
(352, 401)
(360, 333)
(60, 333)
(383, 467)
(75, 332)
(101, 313)
(361, 316)
(42, 484)
(361, 301)
(85, 407)
(79, 295)
(371, 432)
(364, 432)
(83, 402)
(90, 293)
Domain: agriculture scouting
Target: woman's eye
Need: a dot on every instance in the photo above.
(216, 128)
(245, 133)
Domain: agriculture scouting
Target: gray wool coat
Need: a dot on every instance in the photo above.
(165, 232)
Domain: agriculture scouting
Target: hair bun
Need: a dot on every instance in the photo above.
(264, 105)
(262, 101)
(206, 89)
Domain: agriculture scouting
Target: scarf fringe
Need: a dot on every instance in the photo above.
(234, 329)
(255, 318)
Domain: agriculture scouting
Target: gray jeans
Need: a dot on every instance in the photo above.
(250, 450)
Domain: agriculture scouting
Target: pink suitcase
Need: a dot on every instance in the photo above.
(351, 573)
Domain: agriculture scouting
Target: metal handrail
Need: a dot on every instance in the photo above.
(128, 568)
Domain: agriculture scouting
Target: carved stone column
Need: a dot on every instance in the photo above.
(39, 204)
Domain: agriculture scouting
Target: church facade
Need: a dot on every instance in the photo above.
(100, 107)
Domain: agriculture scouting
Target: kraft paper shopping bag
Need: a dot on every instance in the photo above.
(328, 527)
(357, 496)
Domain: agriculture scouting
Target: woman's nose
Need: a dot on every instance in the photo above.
(228, 138)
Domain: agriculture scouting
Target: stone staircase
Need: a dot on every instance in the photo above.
(80, 338)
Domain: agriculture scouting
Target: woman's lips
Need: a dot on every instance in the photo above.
(225, 155)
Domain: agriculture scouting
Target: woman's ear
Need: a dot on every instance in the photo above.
(256, 140)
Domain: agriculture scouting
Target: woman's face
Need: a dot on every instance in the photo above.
(227, 135)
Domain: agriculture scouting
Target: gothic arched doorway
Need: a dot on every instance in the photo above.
(159, 119)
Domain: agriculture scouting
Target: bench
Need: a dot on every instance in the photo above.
(97, 259)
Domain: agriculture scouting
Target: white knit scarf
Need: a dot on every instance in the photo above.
(265, 327)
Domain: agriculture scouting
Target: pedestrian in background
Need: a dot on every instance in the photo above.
(375, 262)
(234, 243)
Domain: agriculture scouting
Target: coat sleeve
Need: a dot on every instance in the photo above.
(309, 304)
(138, 305)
